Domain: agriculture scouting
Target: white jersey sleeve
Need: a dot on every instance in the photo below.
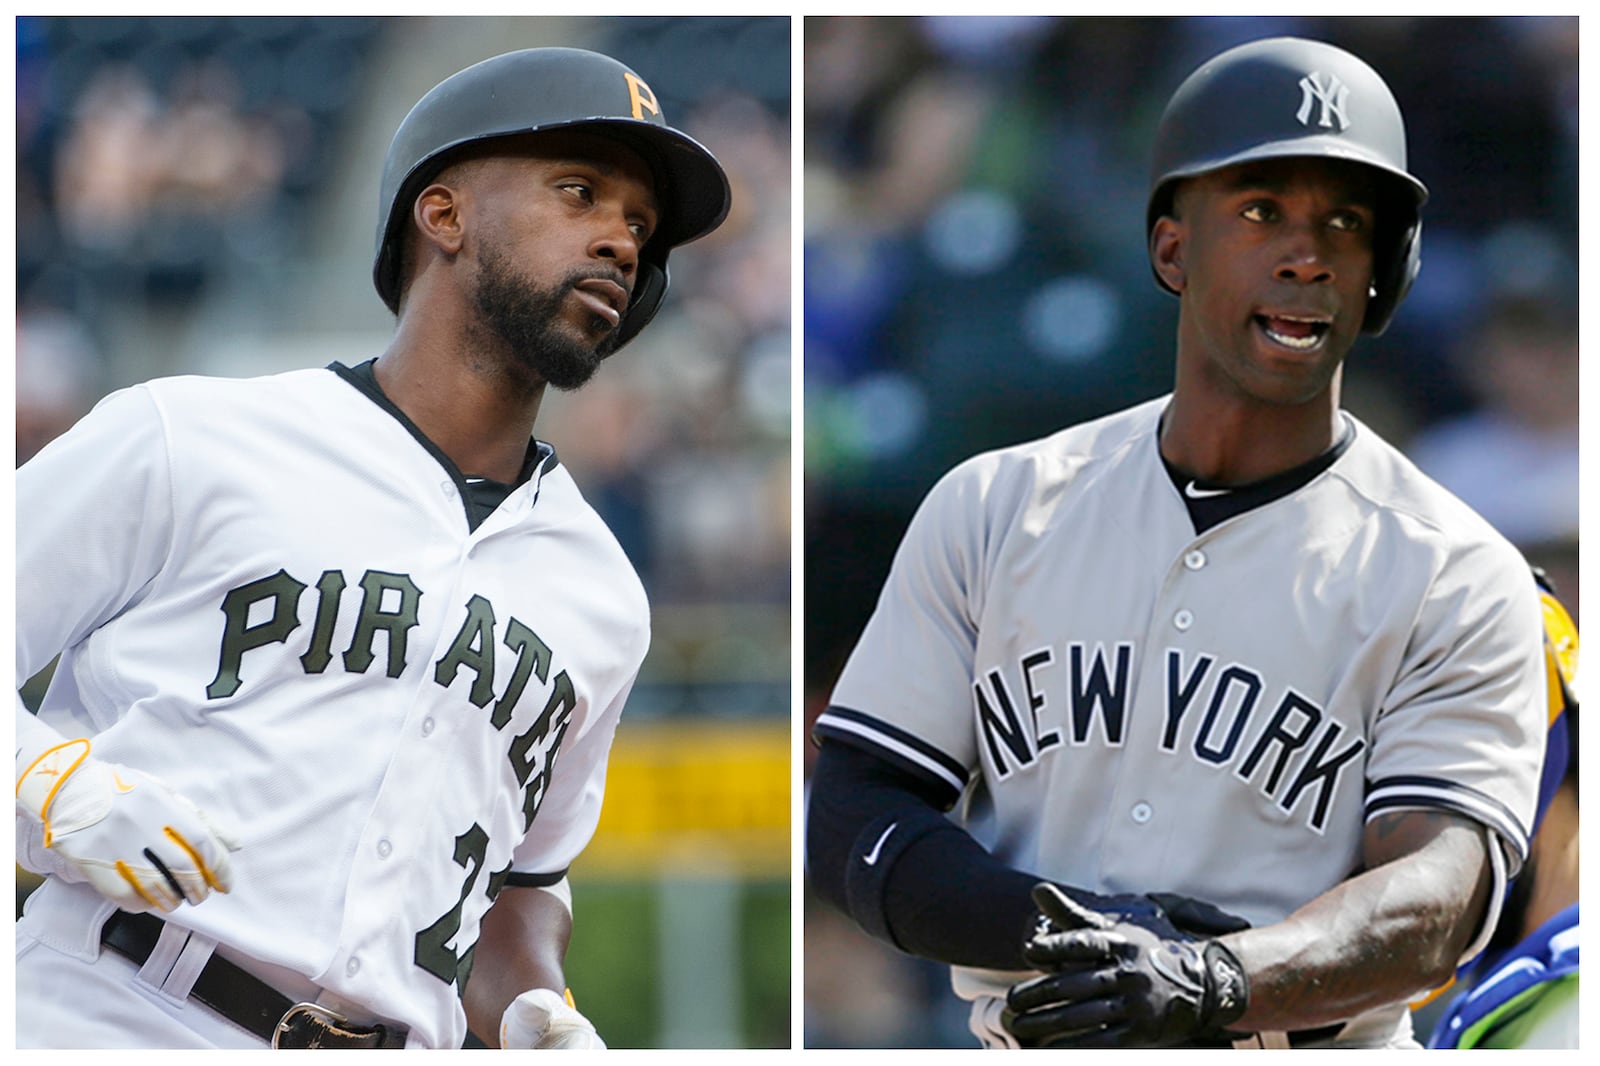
(94, 529)
(571, 810)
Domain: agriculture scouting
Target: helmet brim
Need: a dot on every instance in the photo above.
(1309, 147)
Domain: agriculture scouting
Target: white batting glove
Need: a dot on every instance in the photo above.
(544, 1020)
(128, 834)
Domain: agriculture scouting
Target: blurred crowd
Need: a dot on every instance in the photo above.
(178, 178)
(975, 276)
(157, 154)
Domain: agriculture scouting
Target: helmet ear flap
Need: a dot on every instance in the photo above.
(1393, 272)
(1396, 254)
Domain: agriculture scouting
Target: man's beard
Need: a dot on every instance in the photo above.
(528, 321)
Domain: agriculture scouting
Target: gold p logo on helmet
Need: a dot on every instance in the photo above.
(641, 96)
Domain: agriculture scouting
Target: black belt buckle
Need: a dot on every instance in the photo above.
(306, 1026)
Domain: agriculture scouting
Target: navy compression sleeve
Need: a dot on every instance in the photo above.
(879, 848)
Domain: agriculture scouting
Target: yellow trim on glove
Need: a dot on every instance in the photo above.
(194, 856)
(127, 875)
(61, 778)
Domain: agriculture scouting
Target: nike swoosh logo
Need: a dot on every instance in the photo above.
(871, 857)
(1194, 493)
(122, 786)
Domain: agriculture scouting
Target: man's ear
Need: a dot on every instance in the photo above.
(1166, 252)
(437, 213)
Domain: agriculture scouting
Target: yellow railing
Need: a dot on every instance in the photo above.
(694, 795)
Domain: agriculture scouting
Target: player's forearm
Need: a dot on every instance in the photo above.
(522, 945)
(1388, 934)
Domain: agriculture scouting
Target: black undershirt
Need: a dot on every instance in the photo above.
(1218, 503)
(480, 496)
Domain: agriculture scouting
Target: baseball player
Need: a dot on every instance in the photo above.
(343, 650)
(1236, 716)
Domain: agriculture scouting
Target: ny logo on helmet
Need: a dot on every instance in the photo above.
(1330, 92)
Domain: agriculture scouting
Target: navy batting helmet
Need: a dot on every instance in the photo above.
(545, 89)
(1282, 98)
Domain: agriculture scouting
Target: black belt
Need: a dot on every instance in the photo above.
(247, 1002)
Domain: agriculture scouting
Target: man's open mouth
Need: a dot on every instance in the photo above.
(1300, 333)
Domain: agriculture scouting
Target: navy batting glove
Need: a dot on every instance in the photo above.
(1113, 983)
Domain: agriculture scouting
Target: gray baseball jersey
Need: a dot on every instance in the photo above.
(267, 593)
(1128, 706)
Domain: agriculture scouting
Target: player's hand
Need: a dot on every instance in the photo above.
(128, 834)
(545, 1020)
(1112, 983)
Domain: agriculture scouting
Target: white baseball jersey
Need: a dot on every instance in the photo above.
(268, 594)
(1129, 706)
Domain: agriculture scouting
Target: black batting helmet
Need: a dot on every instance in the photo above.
(1286, 97)
(545, 89)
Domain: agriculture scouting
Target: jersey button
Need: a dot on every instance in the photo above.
(448, 488)
(427, 727)
(384, 848)
(1195, 560)
(1141, 813)
(1183, 619)
(352, 967)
